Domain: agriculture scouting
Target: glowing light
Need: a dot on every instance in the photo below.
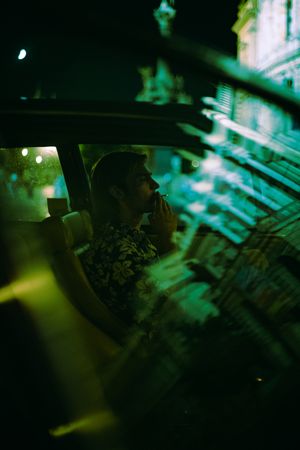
(203, 186)
(195, 163)
(25, 151)
(233, 178)
(22, 54)
(259, 379)
(211, 164)
(47, 151)
(196, 207)
(48, 191)
(38, 159)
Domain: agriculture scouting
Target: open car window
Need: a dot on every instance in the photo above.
(172, 167)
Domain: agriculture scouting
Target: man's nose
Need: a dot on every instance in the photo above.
(155, 185)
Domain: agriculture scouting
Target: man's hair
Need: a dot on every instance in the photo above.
(110, 170)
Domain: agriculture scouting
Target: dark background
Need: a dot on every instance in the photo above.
(66, 59)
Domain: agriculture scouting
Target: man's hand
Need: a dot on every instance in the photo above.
(163, 222)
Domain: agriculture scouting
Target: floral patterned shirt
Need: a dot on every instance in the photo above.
(115, 266)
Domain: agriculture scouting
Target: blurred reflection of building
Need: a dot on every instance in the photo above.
(160, 85)
(268, 33)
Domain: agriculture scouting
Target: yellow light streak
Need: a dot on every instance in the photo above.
(6, 294)
(95, 422)
(25, 286)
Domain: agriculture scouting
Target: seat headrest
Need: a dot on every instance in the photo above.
(72, 230)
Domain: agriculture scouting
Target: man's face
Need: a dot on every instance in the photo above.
(141, 188)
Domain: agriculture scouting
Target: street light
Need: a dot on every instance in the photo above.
(22, 54)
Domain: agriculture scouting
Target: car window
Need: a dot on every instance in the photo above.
(205, 185)
(28, 177)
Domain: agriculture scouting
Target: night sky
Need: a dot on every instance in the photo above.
(62, 60)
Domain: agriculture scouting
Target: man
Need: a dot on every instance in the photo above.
(123, 190)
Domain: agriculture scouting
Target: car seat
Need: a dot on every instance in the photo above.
(67, 236)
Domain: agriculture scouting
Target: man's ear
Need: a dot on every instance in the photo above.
(116, 192)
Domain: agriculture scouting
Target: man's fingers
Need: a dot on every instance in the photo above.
(169, 207)
(162, 207)
(159, 204)
(166, 207)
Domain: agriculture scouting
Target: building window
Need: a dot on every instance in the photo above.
(289, 7)
(296, 123)
(289, 83)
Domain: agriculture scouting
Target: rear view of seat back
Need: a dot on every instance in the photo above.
(68, 236)
(70, 231)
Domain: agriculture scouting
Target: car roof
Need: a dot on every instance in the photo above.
(49, 122)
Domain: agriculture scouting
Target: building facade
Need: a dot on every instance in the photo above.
(268, 41)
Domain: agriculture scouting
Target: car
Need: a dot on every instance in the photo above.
(227, 362)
